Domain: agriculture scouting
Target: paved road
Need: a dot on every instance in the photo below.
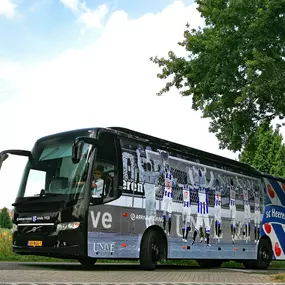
(63, 273)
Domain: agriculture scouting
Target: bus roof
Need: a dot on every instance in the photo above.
(273, 177)
(182, 148)
(66, 133)
(168, 145)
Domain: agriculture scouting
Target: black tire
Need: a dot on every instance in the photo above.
(264, 256)
(210, 263)
(149, 252)
(87, 262)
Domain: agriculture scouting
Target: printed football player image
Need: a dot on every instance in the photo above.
(202, 235)
(246, 205)
(256, 213)
(232, 205)
(149, 177)
(245, 188)
(169, 183)
(219, 184)
(203, 202)
(186, 211)
(129, 166)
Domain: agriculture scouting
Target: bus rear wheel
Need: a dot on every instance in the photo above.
(264, 256)
(149, 252)
(87, 262)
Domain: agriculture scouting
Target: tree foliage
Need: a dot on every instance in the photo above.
(5, 220)
(265, 151)
(235, 69)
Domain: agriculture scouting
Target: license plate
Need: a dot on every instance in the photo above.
(35, 243)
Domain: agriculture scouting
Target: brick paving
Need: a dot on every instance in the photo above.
(125, 275)
(191, 283)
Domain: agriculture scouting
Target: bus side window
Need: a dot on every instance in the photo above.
(107, 156)
(109, 192)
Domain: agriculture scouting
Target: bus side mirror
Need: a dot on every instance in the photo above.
(78, 144)
(77, 150)
(3, 157)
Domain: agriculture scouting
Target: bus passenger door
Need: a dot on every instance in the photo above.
(102, 215)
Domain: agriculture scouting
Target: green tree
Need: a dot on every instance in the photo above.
(249, 151)
(276, 145)
(5, 220)
(278, 169)
(235, 69)
(265, 151)
(261, 158)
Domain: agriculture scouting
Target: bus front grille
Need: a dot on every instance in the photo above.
(34, 229)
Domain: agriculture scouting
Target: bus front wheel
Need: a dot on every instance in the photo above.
(87, 261)
(149, 252)
(264, 256)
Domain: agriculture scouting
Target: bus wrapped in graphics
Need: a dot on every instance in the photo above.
(114, 193)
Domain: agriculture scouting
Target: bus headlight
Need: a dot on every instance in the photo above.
(67, 226)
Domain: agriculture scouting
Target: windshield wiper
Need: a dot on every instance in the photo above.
(24, 201)
(44, 193)
(27, 199)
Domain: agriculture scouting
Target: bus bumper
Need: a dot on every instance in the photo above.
(64, 244)
(59, 252)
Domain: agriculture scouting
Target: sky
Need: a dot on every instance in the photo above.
(69, 64)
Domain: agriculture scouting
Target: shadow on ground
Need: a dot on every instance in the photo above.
(101, 267)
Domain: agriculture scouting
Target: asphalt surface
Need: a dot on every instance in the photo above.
(72, 273)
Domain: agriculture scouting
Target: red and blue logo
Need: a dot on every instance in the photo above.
(274, 216)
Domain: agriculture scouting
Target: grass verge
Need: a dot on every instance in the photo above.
(278, 278)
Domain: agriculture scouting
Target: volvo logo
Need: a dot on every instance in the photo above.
(34, 229)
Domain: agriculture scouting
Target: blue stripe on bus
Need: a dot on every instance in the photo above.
(278, 190)
(263, 233)
(280, 236)
(266, 196)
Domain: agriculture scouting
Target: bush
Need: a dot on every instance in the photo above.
(5, 220)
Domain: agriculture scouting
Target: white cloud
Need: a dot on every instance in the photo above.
(93, 18)
(109, 83)
(71, 4)
(90, 18)
(7, 8)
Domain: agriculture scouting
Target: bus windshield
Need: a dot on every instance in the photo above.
(53, 173)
